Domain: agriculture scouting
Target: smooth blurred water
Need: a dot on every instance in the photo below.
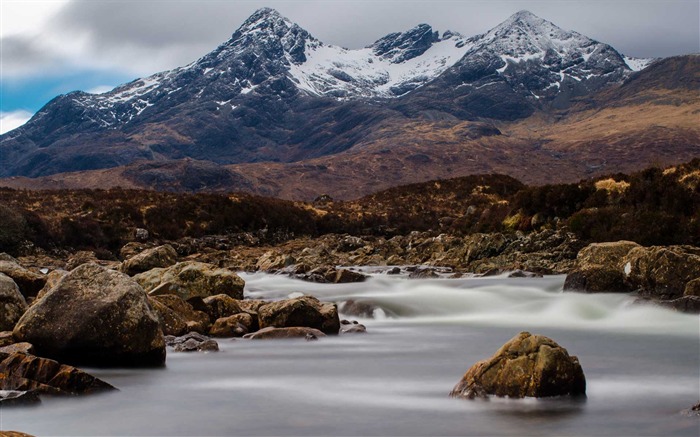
(641, 364)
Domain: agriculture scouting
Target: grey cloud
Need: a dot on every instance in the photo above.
(151, 35)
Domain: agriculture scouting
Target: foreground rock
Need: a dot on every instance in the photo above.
(526, 366)
(12, 303)
(304, 311)
(23, 372)
(270, 333)
(193, 279)
(161, 256)
(97, 317)
(192, 342)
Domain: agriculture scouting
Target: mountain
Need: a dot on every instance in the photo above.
(274, 93)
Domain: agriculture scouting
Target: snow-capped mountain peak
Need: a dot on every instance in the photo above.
(402, 46)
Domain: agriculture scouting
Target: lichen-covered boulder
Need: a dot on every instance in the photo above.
(193, 320)
(94, 316)
(12, 303)
(24, 372)
(236, 325)
(661, 272)
(220, 306)
(304, 311)
(599, 268)
(526, 366)
(193, 279)
(29, 283)
(161, 256)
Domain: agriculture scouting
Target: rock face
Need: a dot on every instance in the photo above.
(305, 311)
(526, 366)
(193, 279)
(26, 372)
(12, 303)
(599, 268)
(161, 256)
(94, 316)
(29, 283)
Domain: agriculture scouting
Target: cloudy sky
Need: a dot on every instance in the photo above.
(50, 47)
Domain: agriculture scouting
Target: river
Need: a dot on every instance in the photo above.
(641, 364)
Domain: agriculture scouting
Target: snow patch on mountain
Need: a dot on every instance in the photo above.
(637, 64)
(338, 72)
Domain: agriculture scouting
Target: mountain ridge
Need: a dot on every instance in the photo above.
(274, 94)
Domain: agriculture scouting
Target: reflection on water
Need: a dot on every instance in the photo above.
(641, 365)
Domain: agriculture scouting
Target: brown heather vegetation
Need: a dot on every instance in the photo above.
(653, 206)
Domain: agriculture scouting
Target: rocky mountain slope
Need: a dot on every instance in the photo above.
(274, 93)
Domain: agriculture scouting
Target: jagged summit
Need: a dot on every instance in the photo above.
(265, 93)
(401, 46)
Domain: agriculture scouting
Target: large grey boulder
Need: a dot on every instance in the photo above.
(526, 366)
(193, 279)
(12, 303)
(94, 316)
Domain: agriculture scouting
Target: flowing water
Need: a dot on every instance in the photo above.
(641, 364)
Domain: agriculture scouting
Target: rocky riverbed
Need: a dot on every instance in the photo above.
(75, 309)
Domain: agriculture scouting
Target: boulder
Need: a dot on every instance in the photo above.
(161, 256)
(6, 338)
(423, 273)
(12, 303)
(29, 283)
(353, 328)
(194, 320)
(599, 268)
(17, 397)
(526, 366)
(272, 261)
(22, 347)
(94, 316)
(24, 372)
(52, 279)
(692, 288)
(192, 342)
(236, 325)
(596, 280)
(305, 311)
(191, 279)
(170, 322)
(343, 276)
(611, 254)
(358, 309)
(79, 258)
(220, 306)
(252, 304)
(290, 332)
(661, 272)
(685, 304)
